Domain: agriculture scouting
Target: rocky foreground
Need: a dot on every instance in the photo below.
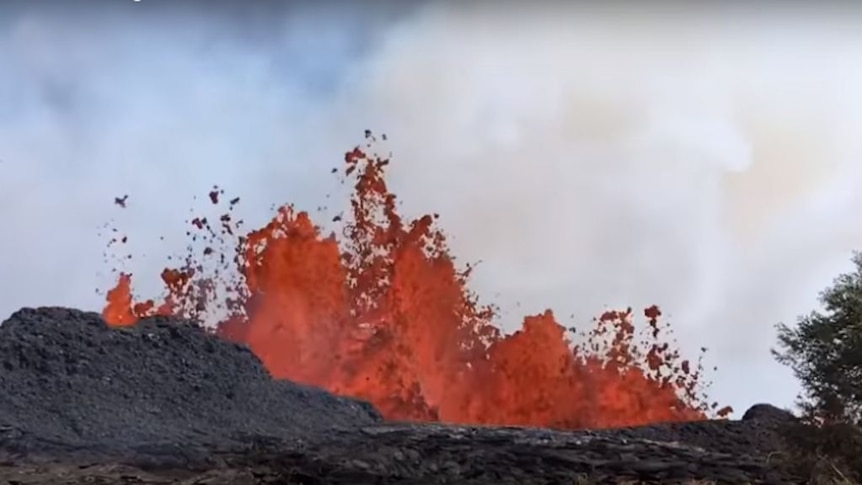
(165, 402)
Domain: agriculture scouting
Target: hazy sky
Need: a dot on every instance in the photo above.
(704, 160)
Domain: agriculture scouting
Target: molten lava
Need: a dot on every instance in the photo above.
(383, 313)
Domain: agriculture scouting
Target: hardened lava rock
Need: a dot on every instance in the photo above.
(768, 412)
(70, 382)
(165, 402)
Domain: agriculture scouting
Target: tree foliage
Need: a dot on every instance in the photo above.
(824, 350)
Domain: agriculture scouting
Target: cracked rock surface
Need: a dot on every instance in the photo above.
(69, 381)
(166, 402)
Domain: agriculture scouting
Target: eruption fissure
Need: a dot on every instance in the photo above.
(383, 313)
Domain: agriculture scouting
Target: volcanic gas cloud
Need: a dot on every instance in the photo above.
(383, 313)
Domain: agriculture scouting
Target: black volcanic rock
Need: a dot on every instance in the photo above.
(768, 412)
(164, 402)
(69, 381)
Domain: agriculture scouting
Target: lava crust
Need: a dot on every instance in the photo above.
(70, 382)
(165, 401)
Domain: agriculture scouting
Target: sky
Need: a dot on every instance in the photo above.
(704, 159)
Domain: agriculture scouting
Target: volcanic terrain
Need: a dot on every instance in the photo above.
(166, 401)
(355, 357)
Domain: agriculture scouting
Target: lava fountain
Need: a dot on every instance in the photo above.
(383, 313)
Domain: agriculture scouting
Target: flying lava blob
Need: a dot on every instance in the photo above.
(383, 313)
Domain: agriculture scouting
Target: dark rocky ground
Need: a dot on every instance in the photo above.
(164, 402)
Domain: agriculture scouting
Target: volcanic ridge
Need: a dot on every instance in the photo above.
(166, 401)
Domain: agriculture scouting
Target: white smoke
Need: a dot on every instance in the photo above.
(704, 160)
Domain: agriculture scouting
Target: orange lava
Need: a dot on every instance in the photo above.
(383, 313)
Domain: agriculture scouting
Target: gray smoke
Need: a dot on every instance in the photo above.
(701, 159)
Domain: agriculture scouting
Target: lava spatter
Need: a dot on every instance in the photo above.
(382, 312)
